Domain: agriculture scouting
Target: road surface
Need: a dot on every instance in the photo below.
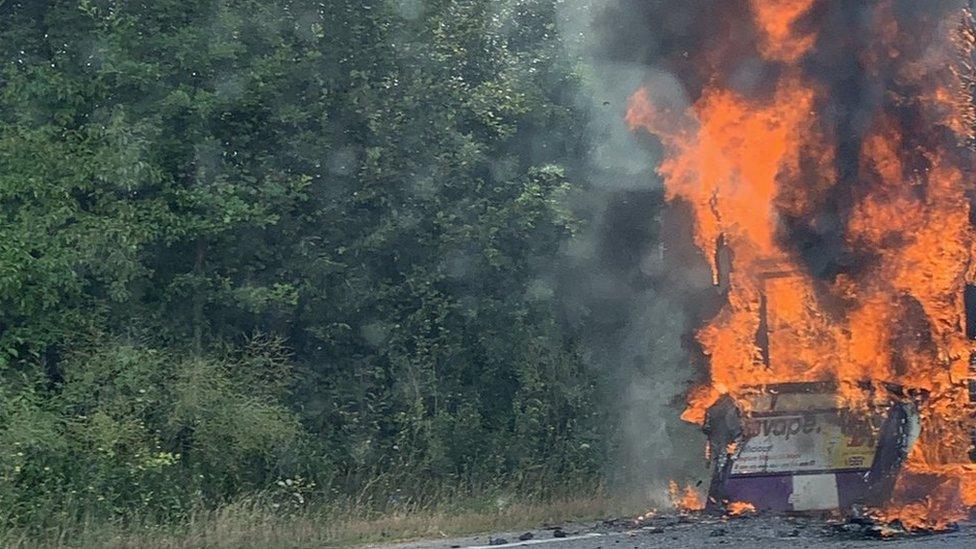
(767, 532)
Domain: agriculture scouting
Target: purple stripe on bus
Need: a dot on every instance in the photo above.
(772, 492)
(769, 493)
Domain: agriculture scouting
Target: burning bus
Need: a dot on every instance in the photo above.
(835, 176)
(797, 446)
(796, 450)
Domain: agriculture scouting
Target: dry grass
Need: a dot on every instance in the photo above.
(251, 525)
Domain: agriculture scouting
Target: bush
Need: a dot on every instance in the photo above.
(132, 430)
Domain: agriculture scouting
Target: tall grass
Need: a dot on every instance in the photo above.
(256, 523)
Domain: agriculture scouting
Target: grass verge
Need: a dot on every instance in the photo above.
(251, 524)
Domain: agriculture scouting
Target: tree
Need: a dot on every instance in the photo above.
(261, 212)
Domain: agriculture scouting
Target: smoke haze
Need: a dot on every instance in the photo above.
(642, 283)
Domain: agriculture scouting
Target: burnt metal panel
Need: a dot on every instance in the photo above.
(792, 453)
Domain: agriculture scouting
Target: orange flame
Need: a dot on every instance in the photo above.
(778, 21)
(739, 508)
(745, 164)
(688, 499)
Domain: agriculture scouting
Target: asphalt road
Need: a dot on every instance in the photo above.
(764, 532)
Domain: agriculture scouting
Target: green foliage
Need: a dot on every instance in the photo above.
(380, 186)
(142, 430)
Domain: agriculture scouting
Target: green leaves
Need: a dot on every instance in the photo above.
(137, 429)
(418, 319)
(382, 190)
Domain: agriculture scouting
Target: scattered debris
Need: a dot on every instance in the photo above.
(705, 530)
(865, 526)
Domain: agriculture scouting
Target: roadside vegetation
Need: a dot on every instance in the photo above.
(256, 523)
(295, 254)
